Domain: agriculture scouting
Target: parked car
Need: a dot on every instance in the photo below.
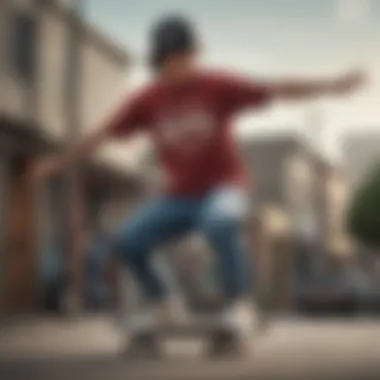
(344, 294)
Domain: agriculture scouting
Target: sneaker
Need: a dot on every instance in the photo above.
(239, 322)
(241, 317)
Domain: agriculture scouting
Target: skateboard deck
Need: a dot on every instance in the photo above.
(221, 340)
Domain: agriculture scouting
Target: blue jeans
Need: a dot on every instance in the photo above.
(218, 215)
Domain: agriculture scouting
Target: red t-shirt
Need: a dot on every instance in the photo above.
(190, 128)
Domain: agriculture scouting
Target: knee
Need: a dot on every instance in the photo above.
(218, 227)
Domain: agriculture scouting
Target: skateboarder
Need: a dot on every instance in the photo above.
(188, 112)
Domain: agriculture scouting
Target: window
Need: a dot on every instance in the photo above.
(23, 44)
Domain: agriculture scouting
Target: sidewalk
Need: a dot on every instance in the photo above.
(87, 348)
(51, 337)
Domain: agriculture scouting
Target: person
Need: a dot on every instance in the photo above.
(187, 112)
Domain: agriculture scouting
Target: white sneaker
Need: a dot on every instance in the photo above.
(241, 317)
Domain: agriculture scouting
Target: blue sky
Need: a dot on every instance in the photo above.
(270, 38)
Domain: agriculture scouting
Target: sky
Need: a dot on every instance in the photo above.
(270, 39)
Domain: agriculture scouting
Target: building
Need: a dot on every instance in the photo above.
(284, 174)
(290, 175)
(34, 119)
(300, 197)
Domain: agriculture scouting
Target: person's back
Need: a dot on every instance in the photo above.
(189, 125)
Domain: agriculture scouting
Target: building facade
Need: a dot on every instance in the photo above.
(300, 198)
(35, 119)
(289, 174)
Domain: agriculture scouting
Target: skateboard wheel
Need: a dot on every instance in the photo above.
(144, 345)
(226, 343)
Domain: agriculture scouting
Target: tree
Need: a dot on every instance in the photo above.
(363, 217)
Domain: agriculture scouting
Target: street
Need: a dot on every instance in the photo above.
(88, 348)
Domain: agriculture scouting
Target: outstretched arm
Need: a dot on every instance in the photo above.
(307, 89)
(239, 94)
(76, 153)
(126, 120)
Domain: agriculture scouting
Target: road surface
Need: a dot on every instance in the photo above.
(89, 349)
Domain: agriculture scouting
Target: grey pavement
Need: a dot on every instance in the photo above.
(88, 348)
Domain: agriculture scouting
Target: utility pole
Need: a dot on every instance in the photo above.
(73, 228)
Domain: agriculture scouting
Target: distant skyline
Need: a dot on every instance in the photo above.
(269, 38)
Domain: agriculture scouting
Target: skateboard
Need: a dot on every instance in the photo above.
(221, 341)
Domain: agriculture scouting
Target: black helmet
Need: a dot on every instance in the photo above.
(172, 34)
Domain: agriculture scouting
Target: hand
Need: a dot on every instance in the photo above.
(349, 83)
(44, 168)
